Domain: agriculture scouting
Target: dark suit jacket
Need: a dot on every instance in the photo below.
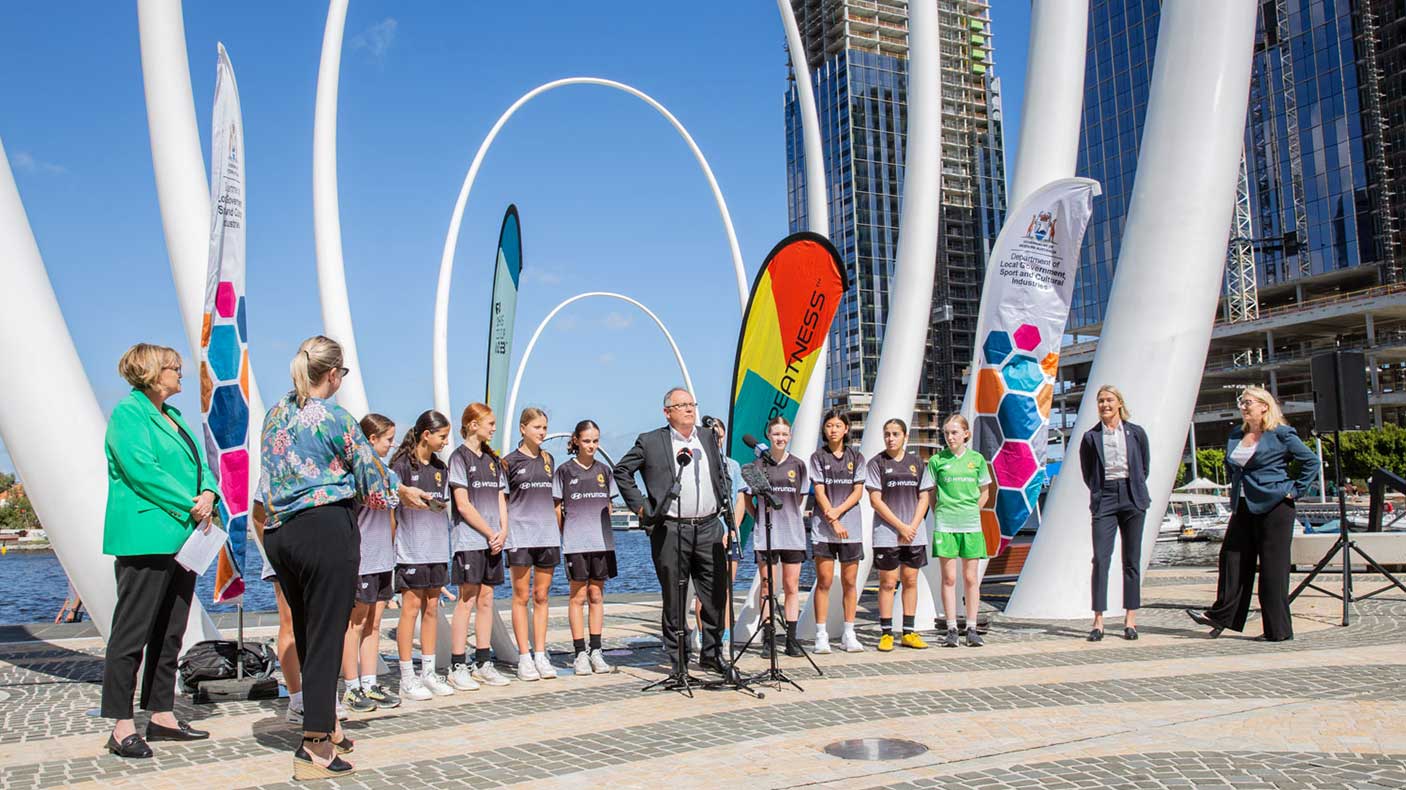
(1139, 459)
(653, 457)
(1264, 480)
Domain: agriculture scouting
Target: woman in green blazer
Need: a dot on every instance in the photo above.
(159, 491)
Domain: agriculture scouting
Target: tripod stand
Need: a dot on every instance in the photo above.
(679, 679)
(773, 673)
(1344, 543)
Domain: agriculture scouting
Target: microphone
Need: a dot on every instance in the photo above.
(758, 447)
(684, 458)
(709, 421)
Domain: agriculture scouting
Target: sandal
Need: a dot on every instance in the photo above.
(305, 769)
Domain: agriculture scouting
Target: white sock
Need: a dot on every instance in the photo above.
(295, 700)
(820, 632)
(849, 628)
(951, 624)
(353, 683)
(407, 671)
(367, 681)
(426, 666)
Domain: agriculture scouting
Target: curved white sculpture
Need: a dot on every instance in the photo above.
(42, 375)
(1162, 306)
(1050, 115)
(451, 240)
(506, 420)
(326, 217)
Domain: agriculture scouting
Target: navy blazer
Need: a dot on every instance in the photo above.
(1139, 459)
(1264, 480)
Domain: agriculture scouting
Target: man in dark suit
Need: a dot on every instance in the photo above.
(689, 521)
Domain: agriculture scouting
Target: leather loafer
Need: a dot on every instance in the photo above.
(1096, 635)
(1130, 633)
(1202, 618)
(131, 747)
(181, 732)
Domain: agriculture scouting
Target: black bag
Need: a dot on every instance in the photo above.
(214, 659)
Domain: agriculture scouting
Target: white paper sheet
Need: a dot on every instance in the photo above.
(201, 548)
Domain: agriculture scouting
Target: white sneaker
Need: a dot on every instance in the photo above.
(461, 679)
(850, 643)
(436, 684)
(598, 664)
(822, 643)
(526, 670)
(581, 665)
(544, 667)
(488, 675)
(294, 715)
(414, 688)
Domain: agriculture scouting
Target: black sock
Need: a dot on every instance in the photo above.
(579, 645)
(482, 656)
(886, 623)
(457, 660)
(908, 624)
(595, 641)
(791, 630)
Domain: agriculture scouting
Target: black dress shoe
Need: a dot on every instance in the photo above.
(1096, 635)
(1130, 633)
(132, 747)
(1263, 638)
(793, 648)
(1202, 618)
(181, 732)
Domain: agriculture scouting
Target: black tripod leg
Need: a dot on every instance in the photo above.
(1317, 569)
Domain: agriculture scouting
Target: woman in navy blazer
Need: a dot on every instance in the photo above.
(1262, 500)
(1113, 457)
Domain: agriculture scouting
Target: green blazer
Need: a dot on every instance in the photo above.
(151, 479)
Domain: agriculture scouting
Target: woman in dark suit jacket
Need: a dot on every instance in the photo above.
(1262, 500)
(159, 490)
(1114, 458)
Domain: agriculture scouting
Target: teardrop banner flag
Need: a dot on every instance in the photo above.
(1024, 308)
(224, 339)
(794, 299)
(506, 274)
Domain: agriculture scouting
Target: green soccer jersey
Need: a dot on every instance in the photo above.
(958, 480)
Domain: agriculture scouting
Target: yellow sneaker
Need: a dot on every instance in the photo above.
(914, 641)
(886, 643)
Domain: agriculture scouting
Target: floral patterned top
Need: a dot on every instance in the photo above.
(318, 455)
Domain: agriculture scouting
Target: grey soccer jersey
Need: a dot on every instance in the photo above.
(788, 485)
(584, 494)
(481, 475)
(898, 481)
(422, 536)
(841, 476)
(377, 551)
(532, 516)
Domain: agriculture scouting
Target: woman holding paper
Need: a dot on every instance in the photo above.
(159, 491)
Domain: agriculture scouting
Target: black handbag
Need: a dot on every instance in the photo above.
(214, 659)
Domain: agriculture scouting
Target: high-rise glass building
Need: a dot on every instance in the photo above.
(857, 52)
(1314, 236)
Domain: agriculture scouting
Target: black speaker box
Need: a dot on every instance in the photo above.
(1327, 371)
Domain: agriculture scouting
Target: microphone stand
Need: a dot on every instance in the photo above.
(679, 679)
(731, 677)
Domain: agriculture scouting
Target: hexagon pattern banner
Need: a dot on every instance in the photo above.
(1024, 309)
(224, 337)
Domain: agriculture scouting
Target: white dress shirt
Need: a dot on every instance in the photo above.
(1115, 453)
(696, 496)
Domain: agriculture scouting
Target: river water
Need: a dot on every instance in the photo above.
(33, 584)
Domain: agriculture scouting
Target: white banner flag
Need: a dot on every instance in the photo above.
(1024, 308)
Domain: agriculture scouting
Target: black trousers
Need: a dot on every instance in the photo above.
(704, 560)
(316, 555)
(153, 602)
(1117, 515)
(1256, 539)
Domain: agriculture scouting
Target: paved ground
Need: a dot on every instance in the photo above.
(1037, 707)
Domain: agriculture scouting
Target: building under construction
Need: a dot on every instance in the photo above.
(1314, 257)
(857, 53)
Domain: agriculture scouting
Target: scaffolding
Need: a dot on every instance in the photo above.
(1377, 153)
(1299, 203)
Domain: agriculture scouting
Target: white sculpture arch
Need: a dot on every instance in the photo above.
(507, 419)
(451, 240)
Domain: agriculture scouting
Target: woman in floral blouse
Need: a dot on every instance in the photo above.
(318, 465)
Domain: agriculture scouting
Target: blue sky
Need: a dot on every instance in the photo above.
(610, 197)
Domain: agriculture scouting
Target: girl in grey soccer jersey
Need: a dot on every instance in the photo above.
(899, 489)
(787, 475)
(837, 477)
(477, 483)
(582, 488)
(421, 552)
(373, 590)
(534, 542)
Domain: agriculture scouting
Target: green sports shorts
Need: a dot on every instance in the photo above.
(967, 545)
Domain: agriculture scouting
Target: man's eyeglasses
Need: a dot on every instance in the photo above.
(684, 406)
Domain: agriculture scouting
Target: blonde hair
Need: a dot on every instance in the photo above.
(316, 357)
(529, 414)
(1273, 415)
(960, 420)
(1115, 392)
(141, 366)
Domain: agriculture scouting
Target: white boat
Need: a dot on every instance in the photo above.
(623, 520)
(1202, 516)
(1170, 528)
